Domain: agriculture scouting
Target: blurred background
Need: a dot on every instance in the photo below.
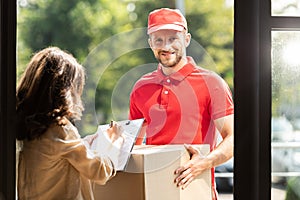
(109, 38)
(97, 32)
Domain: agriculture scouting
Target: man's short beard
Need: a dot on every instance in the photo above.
(172, 65)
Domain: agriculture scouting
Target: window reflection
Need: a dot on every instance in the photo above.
(286, 114)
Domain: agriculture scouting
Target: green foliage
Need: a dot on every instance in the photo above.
(211, 25)
(109, 38)
(292, 191)
(52, 23)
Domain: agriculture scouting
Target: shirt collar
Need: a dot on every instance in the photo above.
(182, 73)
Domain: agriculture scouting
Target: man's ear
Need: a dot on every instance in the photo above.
(149, 42)
(188, 37)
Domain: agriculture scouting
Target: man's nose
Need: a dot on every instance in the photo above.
(166, 46)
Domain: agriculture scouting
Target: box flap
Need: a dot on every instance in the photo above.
(146, 158)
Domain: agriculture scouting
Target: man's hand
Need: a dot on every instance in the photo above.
(193, 168)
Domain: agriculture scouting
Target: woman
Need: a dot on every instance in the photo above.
(54, 162)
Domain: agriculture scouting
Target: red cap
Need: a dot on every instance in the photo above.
(166, 18)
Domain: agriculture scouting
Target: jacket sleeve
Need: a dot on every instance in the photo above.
(89, 165)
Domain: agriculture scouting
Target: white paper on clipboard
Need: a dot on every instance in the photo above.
(102, 145)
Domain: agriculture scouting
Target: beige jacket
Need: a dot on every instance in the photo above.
(60, 166)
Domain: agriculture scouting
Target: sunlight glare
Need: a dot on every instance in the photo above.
(291, 54)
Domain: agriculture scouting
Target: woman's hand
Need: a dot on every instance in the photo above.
(89, 139)
(115, 134)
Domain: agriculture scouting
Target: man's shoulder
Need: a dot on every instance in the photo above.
(210, 77)
(207, 73)
(151, 77)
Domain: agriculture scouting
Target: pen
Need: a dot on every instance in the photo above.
(111, 123)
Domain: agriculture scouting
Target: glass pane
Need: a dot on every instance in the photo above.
(285, 115)
(285, 8)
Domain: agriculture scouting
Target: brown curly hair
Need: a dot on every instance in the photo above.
(49, 92)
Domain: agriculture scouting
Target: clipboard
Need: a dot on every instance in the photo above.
(102, 145)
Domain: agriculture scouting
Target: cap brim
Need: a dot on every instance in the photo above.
(165, 27)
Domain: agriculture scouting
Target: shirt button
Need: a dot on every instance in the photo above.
(166, 92)
(168, 81)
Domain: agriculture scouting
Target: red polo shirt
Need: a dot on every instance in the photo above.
(180, 108)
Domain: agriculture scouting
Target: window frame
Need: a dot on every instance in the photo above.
(7, 99)
(253, 99)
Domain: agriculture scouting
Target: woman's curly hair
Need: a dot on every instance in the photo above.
(49, 92)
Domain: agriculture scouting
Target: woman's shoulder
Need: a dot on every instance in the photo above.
(64, 132)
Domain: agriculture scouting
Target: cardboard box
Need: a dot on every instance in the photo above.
(149, 175)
